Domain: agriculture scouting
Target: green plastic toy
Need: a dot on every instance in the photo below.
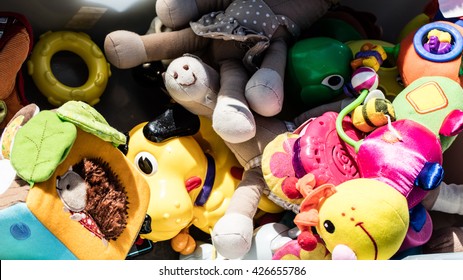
(316, 72)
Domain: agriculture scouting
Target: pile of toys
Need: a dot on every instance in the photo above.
(293, 132)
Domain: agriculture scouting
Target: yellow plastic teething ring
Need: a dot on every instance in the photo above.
(76, 42)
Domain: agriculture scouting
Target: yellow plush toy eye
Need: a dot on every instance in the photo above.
(366, 215)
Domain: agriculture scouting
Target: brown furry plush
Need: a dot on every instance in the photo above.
(107, 200)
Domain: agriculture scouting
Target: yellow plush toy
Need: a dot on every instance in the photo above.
(362, 219)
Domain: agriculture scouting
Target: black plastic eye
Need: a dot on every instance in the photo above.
(335, 82)
(68, 187)
(328, 225)
(146, 163)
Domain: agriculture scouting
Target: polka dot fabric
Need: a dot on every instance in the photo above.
(250, 21)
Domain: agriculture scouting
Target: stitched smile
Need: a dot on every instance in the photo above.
(360, 224)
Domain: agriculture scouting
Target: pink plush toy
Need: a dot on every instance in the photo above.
(254, 32)
(407, 156)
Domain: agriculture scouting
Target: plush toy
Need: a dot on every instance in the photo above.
(361, 219)
(414, 137)
(255, 32)
(232, 234)
(415, 59)
(16, 42)
(103, 196)
(315, 148)
(445, 206)
(435, 102)
(267, 239)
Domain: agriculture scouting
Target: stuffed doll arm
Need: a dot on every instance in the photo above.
(177, 14)
(232, 118)
(126, 49)
(447, 198)
(264, 90)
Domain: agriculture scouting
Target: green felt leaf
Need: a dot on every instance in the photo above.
(41, 145)
(90, 120)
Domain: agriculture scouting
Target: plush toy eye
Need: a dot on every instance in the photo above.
(328, 225)
(146, 163)
(334, 82)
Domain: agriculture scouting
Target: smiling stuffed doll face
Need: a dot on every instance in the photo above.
(367, 216)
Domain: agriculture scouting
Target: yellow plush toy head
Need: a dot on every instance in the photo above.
(363, 219)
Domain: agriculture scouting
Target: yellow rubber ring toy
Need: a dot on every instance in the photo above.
(76, 42)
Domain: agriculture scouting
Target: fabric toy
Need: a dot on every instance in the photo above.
(104, 196)
(445, 206)
(435, 102)
(361, 219)
(293, 251)
(419, 150)
(16, 40)
(315, 148)
(414, 61)
(410, 140)
(261, 29)
(267, 239)
(12, 188)
(232, 234)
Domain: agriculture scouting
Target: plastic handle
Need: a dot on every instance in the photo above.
(349, 108)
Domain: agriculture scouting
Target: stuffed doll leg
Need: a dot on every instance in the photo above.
(177, 14)
(125, 49)
(232, 234)
(193, 84)
(445, 240)
(232, 119)
(447, 198)
(264, 90)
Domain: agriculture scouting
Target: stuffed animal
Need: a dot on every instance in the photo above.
(255, 33)
(232, 234)
(102, 194)
(361, 219)
(416, 137)
(267, 239)
(16, 42)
